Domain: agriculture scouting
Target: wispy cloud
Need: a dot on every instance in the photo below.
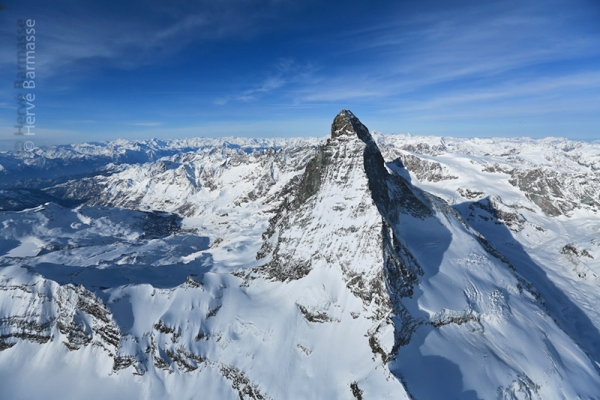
(285, 73)
(493, 52)
(75, 37)
(146, 124)
(552, 86)
(488, 39)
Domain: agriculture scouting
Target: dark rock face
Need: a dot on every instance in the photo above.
(558, 193)
(311, 180)
(346, 123)
(381, 183)
(426, 170)
(493, 210)
(76, 313)
(570, 249)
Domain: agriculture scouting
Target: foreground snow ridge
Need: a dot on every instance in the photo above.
(363, 266)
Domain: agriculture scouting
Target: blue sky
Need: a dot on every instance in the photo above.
(147, 69)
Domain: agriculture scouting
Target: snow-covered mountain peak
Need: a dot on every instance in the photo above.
(332, 198)
(346, 123)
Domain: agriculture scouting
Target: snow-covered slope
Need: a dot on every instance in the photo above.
(432, 268)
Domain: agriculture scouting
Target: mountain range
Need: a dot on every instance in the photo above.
(356, 266)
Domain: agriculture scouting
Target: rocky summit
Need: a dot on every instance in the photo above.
(362, 266)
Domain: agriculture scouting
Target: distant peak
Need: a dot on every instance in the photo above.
(346, 123)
